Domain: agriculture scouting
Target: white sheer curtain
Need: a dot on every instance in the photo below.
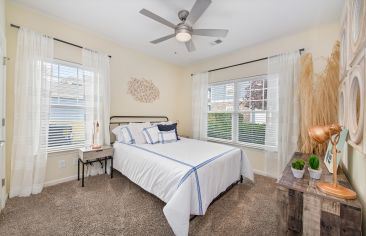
(97, 94)
(199, 105)
(283, 103)
(31, 110)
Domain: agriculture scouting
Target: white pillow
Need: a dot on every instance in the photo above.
(167, 136)
(136, 130)
(127, 135)
(119, 135)
(151, 134)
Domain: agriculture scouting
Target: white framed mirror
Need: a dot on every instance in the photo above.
(343, 54)
(342, 105)
(356, 25)
(343, 36)
(356, 19)
(356, 104)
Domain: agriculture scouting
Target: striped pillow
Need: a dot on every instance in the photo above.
(167, 136)
(127, 135)
(151, 134)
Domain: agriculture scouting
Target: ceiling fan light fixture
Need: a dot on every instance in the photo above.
(183, 36)
(183, 33)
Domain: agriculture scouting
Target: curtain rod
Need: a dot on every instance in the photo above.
(243, 63)
(58, 40)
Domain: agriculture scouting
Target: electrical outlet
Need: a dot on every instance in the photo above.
(62, 164)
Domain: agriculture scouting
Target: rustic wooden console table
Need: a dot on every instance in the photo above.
(305, 210)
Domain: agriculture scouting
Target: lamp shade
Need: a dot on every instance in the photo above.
(321, 134)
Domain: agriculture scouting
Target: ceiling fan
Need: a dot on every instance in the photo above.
(183, 31)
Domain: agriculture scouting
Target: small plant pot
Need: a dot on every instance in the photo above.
(315, 174)
(298, 173)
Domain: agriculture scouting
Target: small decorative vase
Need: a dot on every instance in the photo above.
(315, 174)
(298, 173)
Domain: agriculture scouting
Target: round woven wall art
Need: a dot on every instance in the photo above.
(143, 90)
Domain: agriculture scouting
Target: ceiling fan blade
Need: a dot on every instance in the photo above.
(198, 9)
(221, 33)
(190, 46)
(159, 40)
(157, 18)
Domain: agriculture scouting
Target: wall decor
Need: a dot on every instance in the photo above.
(356, 100)
(143, 90)
(343, 103)
(356, 26)
(343, 116)
(344, 37)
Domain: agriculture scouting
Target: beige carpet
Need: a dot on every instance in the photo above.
(119, 207)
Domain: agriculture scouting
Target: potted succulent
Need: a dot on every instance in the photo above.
(314, 170)
(297, 168)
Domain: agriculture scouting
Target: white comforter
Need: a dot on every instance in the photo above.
(187, 174)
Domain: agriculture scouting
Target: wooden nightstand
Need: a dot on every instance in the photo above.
(88, 156)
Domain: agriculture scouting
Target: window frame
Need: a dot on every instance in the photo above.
(74, 147)
(235, 113)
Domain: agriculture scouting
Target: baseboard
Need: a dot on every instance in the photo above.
(4, 198)
(59, 181)
(263, 173)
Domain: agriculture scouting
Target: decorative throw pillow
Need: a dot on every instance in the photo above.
(167, 136)
(136, 130)
(127, 135)
(151, 134)
(119, 135)
(169, 127)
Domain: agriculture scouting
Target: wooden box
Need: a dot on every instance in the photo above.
(305, 210)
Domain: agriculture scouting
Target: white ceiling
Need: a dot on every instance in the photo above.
(249, 22)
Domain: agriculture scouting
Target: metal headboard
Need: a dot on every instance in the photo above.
(115, 121)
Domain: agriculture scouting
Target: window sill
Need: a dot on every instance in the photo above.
(64, 149)
(241, 144)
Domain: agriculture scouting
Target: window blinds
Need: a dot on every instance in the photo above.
(220, 110)
(239, 111)
(67, 108)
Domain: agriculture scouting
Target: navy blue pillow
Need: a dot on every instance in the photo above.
(169, 128)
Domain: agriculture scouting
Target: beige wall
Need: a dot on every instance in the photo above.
(319, 41)
(2, 149)
(125, 63)
(356, 163)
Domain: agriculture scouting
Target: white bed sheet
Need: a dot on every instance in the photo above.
(187, 174)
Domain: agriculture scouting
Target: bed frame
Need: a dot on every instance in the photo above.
(115, 121)
(120, 120)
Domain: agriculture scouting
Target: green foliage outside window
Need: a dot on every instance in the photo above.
(220, 126)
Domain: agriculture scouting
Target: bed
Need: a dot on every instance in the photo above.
(187, 175)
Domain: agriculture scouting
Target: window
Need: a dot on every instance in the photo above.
(239, 111)
(67, 107)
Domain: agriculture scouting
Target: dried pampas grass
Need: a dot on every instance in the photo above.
(318, 98)
(306, 102)
(326, 94)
